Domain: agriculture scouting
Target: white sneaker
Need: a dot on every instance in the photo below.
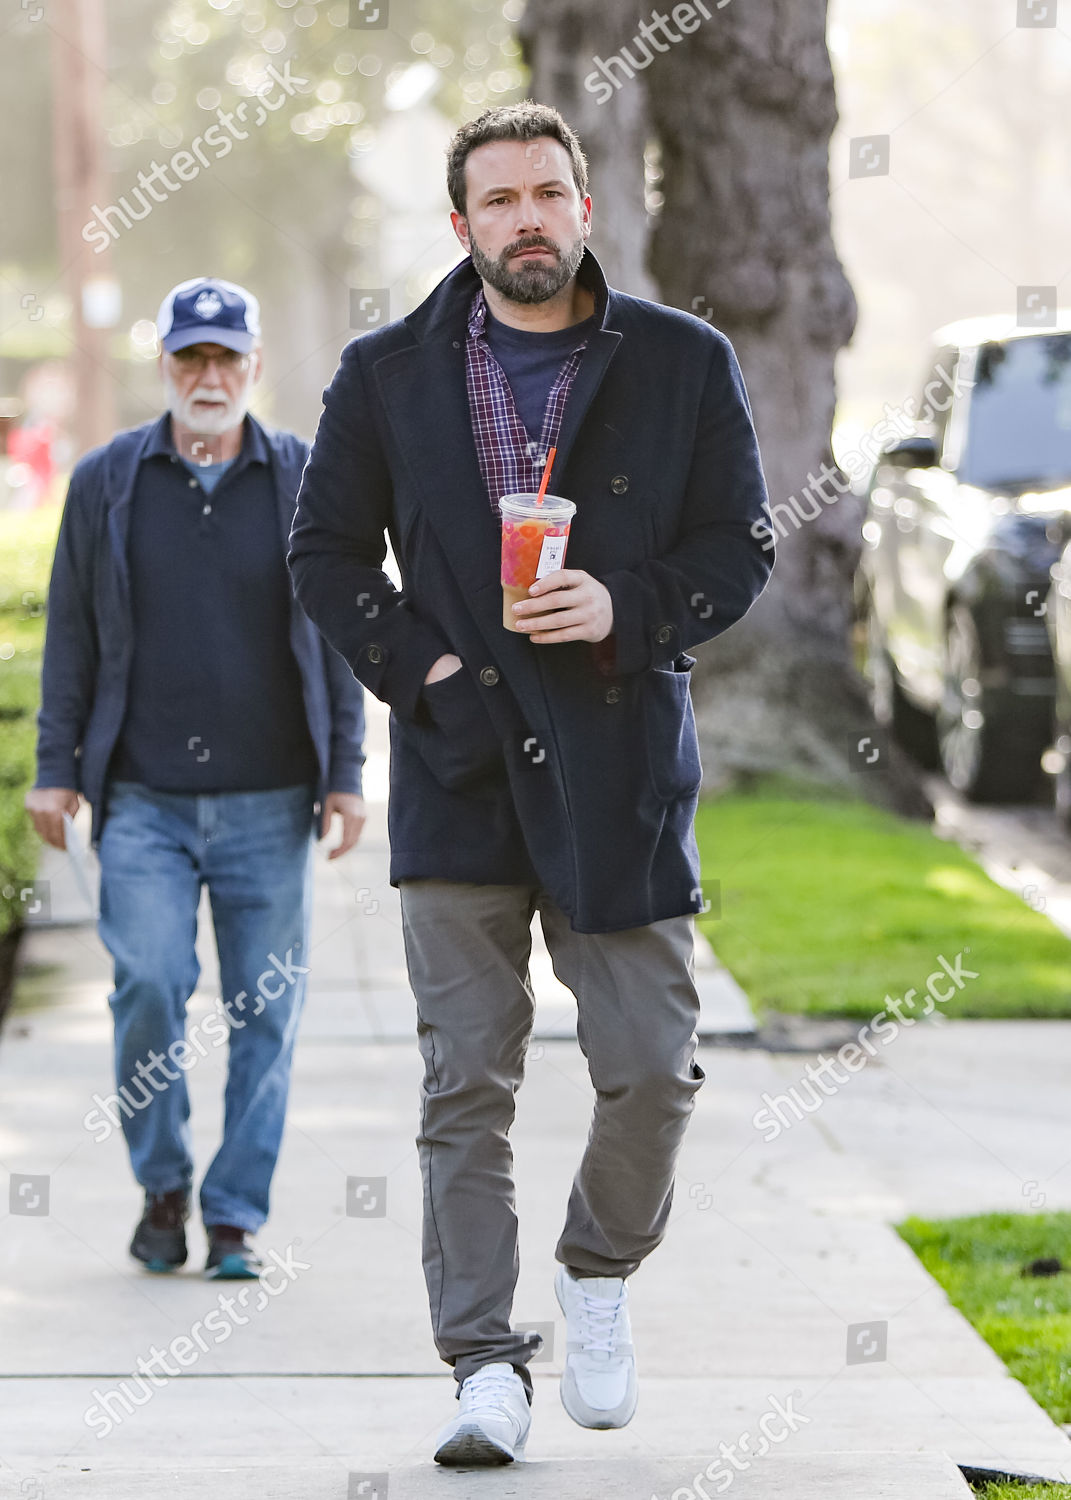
(598, 1386)
(492, 1425)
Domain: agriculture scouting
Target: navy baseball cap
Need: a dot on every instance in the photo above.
(207, 310)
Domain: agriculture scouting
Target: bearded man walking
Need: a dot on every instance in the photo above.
(552, 768)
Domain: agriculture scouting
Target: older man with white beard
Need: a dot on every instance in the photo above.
(188, 697)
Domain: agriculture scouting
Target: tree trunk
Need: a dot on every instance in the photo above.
(742, 111)
(561, 40)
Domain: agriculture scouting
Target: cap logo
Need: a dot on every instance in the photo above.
(208, 304)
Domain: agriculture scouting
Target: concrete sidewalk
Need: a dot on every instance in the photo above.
(781, 1289)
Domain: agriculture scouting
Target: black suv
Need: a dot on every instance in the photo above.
(965, 521)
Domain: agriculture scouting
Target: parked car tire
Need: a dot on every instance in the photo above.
(912, 728)
(1061, 785)
(985, 752)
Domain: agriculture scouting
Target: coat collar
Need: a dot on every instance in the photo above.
(424, 395)
(444, 313)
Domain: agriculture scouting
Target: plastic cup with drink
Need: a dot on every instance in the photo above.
(535, 532)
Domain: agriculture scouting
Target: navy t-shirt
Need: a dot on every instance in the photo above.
(531, 362)
(215, 701)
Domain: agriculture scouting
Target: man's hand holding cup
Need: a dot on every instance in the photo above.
(568, 605)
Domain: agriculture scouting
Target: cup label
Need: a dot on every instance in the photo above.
(551, 555)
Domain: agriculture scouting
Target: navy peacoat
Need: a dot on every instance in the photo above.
(574, 766)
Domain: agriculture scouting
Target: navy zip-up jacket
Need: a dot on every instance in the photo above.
(89, 635)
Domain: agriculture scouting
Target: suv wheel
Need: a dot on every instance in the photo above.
(912, 728)
(984, 751)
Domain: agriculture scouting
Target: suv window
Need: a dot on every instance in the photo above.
(1018, 429)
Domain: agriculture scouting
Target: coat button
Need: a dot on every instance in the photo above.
(613, 695)
(489, 676)
(619, 484)
(375, 654)
(663, 634)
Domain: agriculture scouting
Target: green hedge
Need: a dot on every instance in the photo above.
(27, 541)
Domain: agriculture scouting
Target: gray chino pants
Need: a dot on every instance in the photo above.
(467, 948)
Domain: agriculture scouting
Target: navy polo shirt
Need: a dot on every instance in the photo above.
(215, 699)
(531, 362)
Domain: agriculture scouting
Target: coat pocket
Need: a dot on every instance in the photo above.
(672, 745)
(457, 742)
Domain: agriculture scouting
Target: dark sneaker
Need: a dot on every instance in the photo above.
(160, 1239)
(230, 1255)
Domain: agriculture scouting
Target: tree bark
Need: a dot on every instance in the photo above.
(561, 41)
(742, 110)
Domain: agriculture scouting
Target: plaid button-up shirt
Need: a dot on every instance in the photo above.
(509, 461)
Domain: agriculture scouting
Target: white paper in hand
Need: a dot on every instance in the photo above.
(79, 859)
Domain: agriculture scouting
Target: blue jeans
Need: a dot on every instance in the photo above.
(253, 850)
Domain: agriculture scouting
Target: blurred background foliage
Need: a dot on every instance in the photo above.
(307, 207)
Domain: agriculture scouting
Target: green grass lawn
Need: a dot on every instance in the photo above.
(27, 540)
(829, 904)
(1024, 1492)
(1027, 1319)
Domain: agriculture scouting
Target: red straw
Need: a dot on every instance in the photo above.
(546, 476)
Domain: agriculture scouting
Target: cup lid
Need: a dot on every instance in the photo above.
(526, 502)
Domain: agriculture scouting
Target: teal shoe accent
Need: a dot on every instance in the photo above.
(239, 1265)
